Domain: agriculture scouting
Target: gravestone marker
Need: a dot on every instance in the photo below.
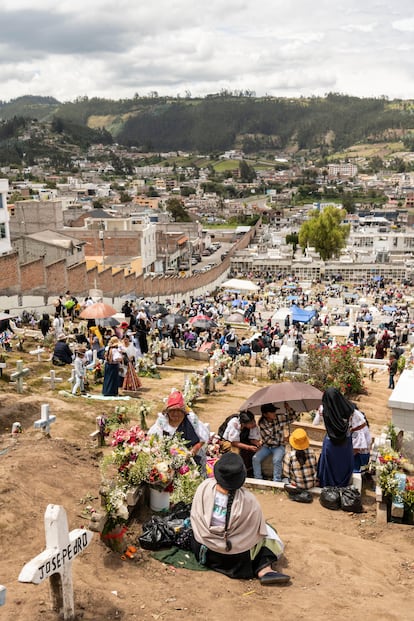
(45, 420)
(55, 562)
(19, 375)
(37, 352)
(52, 379)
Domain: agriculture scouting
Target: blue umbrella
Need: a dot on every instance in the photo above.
(236, 303)
(389, 309)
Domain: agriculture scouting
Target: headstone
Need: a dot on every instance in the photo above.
(397, 505)
(16, 429)
(401, 403)
(2, 595)
(37, 352)
(45, 420)
(55, 562)
(52, 379)
(19, 375)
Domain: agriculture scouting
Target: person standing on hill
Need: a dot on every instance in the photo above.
(392, 371)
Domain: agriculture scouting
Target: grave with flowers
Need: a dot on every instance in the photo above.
(138, 469)
(394, 480)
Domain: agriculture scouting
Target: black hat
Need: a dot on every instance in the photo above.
(268, 408)
(230, 471)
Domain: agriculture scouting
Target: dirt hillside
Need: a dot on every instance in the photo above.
(342, 565)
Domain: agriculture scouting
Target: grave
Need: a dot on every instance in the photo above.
(18, 375)
(37, 352)
(45, 420)
(55, 562)
(401, 403)
(52, 379)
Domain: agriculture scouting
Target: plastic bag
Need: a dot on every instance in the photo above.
(351, 499)
(330, 498)
(156, 534)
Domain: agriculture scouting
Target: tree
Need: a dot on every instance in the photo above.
(177, 210)
(325, 232)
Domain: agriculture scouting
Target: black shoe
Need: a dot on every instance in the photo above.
(274, 577)
(304, 496)
(292, 490)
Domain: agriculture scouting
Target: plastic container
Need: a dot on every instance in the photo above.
(159, 501)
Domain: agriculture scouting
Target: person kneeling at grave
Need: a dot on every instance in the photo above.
(230, 534)
(62, 353)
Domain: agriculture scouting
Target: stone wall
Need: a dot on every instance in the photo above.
(37, 278)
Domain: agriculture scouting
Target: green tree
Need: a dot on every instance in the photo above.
(177, 210)
(325, 232)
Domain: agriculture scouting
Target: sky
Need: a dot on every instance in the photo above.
(287, 48)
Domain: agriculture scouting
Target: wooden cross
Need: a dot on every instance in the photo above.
(55, 562)
(2, 595)
(18, 375)
(45, 420)
(52, 379)
(37, 352)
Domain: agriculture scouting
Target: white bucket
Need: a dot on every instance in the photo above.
(159, 501)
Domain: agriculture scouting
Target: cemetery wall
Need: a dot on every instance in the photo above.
(37, 278)
(10, 273)
(32, 276)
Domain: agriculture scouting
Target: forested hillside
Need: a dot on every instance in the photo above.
(225, 121)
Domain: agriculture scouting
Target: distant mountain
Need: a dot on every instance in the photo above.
(225, 121)
(29, 106)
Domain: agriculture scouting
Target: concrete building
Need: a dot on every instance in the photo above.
(5, 244)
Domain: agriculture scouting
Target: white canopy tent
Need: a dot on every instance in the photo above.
(238, 284)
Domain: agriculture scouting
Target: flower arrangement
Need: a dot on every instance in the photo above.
(145, 367)
(161, 462)
(144, 410)
(192, 388)
(388, 463)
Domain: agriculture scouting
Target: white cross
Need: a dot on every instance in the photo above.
(18, 375)
(45, 420)
(2, 595)
(52, 379)
(55, 562)
(37, 352)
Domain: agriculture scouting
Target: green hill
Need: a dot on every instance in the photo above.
(220, 122)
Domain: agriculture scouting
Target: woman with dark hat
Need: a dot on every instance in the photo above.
(336, 462)
(230, 534)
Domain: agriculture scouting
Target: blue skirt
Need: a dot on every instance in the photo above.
(336, 463)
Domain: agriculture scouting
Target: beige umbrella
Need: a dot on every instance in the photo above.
(301, 397)
(99, 310)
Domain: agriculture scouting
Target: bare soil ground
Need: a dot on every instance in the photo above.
(343, 566)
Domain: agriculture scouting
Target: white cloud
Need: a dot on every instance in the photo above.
(101, 48)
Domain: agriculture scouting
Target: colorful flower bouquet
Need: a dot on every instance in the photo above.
(162, 462)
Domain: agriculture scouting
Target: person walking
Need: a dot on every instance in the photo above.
(392, 371)
(80, 373)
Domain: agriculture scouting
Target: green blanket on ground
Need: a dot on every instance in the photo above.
(179, 558)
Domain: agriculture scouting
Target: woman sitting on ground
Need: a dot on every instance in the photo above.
(239, 433)
(336, 462)
(230, 534)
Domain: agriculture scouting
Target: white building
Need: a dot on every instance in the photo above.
(5, 245)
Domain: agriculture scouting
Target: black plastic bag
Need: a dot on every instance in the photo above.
(156, 534)
(330, 498)
(351, 499)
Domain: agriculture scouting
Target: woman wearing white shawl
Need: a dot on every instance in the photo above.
(230, 534)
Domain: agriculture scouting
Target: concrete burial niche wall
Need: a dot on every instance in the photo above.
(401, 403)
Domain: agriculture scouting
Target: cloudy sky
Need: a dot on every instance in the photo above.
(71, 48)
